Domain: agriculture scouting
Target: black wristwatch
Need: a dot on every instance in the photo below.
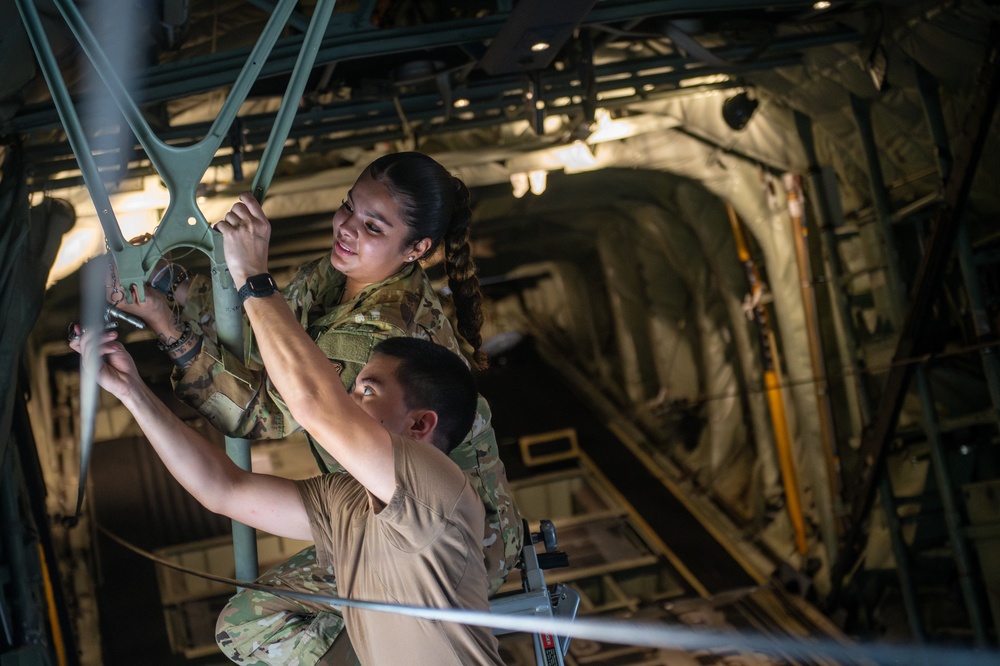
(258, 286)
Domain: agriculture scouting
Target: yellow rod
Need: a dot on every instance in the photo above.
(789, 476)
(50, 599)
(775, 402)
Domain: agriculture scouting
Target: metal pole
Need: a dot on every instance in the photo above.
(902, 555)
(950, 506)
(822, 206)
(290, 102)
(71, 123)
(823, 200)
(183, 223)
(980, 317)
(831, 481)
(883, 210)
(928, 87)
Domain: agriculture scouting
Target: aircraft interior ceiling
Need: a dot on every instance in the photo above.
(744, 251)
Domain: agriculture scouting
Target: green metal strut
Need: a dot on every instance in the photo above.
(182, 169)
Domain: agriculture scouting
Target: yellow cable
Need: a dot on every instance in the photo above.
(50, 599)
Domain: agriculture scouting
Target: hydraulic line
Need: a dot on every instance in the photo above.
(772, 386)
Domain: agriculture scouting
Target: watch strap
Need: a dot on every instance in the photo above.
(247, 290)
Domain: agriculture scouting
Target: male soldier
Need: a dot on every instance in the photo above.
(405, 526)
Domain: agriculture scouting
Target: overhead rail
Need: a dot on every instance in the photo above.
(346, 42)
(364, 122)
(490, 99)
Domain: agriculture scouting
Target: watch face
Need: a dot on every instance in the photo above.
(261, 283)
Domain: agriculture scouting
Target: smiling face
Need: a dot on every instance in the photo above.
(369, 236)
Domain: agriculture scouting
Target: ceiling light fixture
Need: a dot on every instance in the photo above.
(703, 80)
(519, 184)
(461, 103)
(736, 110)
(576, 157)
(538, 47)
(820, 5)
(537, 180)
(605, 128)
(616, 93)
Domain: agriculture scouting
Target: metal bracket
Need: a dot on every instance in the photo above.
(537, 600)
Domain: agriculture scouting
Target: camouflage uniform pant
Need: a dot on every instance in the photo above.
(261, 628)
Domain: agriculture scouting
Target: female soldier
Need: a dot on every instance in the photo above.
(368, 288)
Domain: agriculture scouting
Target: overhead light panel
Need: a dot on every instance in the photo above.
(577, 156)
(608, 129)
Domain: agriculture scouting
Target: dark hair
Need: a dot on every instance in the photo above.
(435, 205)
(437, 379)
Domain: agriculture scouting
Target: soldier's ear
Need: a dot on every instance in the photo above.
(421, 247)
(423, 423)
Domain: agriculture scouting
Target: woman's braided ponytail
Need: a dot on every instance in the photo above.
(462, 277)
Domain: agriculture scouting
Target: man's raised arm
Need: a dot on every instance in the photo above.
(305, 378)
(265, 502)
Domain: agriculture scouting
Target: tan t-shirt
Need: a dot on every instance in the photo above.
(422, 549)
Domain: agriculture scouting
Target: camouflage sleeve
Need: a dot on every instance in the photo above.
(199, 305)
(236, 398)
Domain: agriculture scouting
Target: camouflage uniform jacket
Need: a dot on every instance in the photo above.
(239, 399)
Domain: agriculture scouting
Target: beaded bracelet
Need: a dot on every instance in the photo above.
(178, 279)
(185, 336)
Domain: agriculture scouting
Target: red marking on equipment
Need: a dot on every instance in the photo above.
(547, 641)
